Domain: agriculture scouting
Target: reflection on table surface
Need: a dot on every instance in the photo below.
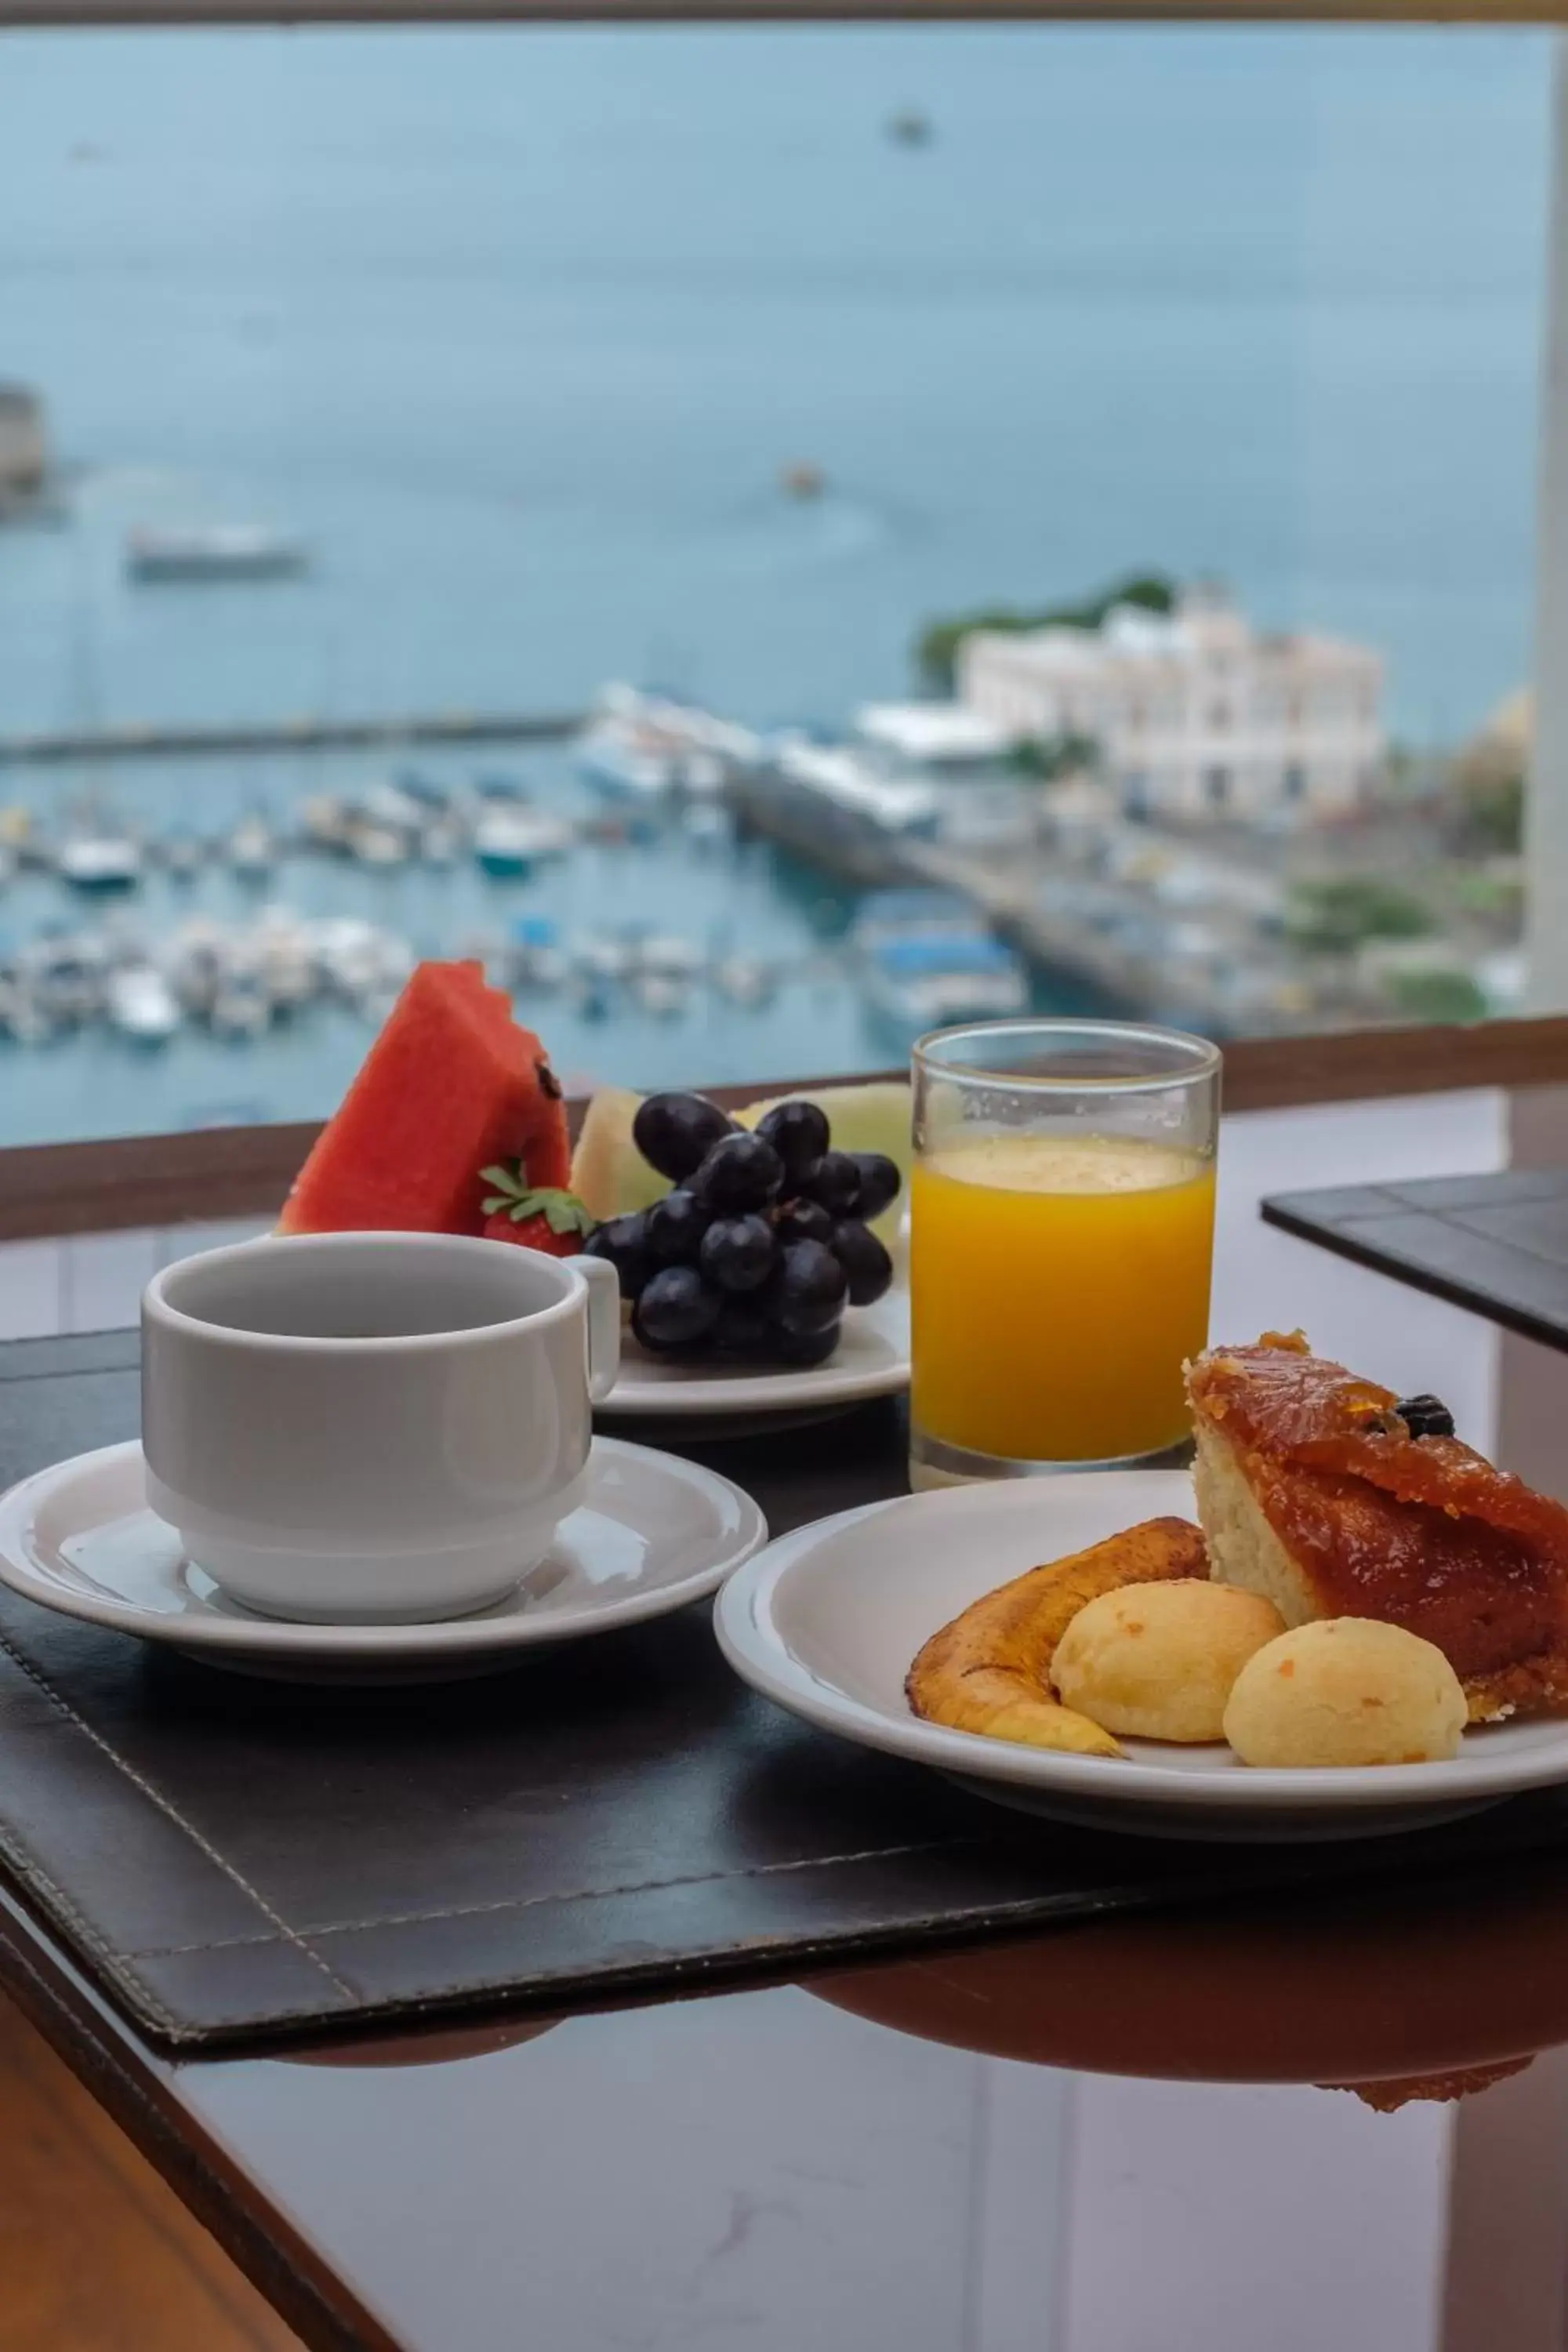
(1110, 2140)
(1339, 2121)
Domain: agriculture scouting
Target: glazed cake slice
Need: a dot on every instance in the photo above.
(1315, 1492)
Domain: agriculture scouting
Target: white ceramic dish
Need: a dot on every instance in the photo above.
(827, 1621)
(654, 1533)
(871, 1359)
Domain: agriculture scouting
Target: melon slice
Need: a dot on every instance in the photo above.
(451, 1085)
(876, 1117)
(609, 1174)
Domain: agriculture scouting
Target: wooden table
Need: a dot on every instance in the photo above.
(1105, 2139)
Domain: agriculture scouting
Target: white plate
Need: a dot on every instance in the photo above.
(828, 1621)
(871, 1359)
(655, 1533)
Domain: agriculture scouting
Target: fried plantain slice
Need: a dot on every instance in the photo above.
(989, 1671)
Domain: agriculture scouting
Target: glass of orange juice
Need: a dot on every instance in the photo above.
(1060, 1241)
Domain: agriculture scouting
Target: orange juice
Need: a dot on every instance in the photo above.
(1056, 1285)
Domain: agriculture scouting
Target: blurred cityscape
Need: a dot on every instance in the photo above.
(1248, 791)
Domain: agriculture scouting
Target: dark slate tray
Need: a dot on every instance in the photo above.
(247, 1864)
(1498, 1245)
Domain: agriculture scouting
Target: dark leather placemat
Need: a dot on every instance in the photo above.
(248, 1862)
(1498, 1245)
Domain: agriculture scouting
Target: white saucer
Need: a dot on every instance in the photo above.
(871, 1359)
(828, 1621)
(654, 1533)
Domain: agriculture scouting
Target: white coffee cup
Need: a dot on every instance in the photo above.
(361, 1426)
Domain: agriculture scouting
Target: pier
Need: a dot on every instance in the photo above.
(129, 741)
(1057, 941)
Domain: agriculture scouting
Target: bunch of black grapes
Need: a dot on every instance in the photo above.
(763, 1243)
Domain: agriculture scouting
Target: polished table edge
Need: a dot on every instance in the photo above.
(140, 2093)
(212, 1173)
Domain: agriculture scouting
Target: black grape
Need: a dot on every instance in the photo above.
(809, 1290)
(879, 1183)
(805, 1348)
(834, 1183)
(674, 1133)
(623, 1241)
(798, 1132)
(674, 1228)
(737, 1252)
(804, 1221)
(741, 1171)
(677, 1307)
(866, 1263)
(744, 1329)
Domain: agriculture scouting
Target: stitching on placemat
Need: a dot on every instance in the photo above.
(575, 1894)
(25, 1869)
(172, 1812)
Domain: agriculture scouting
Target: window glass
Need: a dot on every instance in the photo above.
(606, 501)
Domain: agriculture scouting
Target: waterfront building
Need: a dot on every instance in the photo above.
(1194, 713)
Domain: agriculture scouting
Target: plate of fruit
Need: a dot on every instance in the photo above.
(758, 1251)
(764, 1272)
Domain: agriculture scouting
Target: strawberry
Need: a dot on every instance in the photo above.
(537, 1216)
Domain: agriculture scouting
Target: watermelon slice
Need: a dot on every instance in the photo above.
(451, 1085)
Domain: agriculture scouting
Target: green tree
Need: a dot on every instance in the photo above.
(936, 647)
(1333, 916)
(1491, 814)
(1046, 756)
(1438, 996)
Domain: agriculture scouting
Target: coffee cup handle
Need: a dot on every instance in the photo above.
(603, 1324)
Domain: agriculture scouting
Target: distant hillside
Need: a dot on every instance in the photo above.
(936, 647)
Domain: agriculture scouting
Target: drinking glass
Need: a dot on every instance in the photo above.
(1061, 1237)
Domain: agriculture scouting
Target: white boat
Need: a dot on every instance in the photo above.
(667, 956)
(660, 994)
(64, 975)
(919, 983)
(140, 1003)
(648, 747)
(326, 822)
(381, 846)
(637, 765)
(242, 1007)
(358, 960)
(98, 860)
(537, 958)
(285, 956)
(603, 958)
(212, 551)
(252, 852)
(195, 963)
(389, 803)
(21, 1018)
(913, 913)
(509, 842)
(744, 982)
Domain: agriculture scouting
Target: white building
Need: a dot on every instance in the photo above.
(1196, 714)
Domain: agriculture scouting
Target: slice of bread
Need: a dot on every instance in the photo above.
(1243, 1548)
